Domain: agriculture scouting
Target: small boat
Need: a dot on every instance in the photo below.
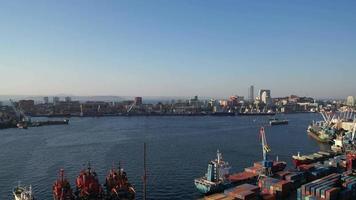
(22, 125)
(276, 121)
(23, 193)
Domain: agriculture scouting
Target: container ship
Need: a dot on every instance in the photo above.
(23, 193)
(311, 158)
(61, 188)
(118, 186)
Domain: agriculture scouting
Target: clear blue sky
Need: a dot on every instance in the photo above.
(178, 48)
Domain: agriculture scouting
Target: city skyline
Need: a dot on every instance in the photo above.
(178, 48)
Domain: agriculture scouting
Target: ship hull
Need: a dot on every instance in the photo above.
(211, 189)
(254, 114)
(273, 123)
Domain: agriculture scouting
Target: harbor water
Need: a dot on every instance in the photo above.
(178, 150)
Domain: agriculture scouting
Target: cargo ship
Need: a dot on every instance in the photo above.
(257, 113)
(118, 186)
(23, 193)
(319, 134)
(49, 122)
(215, 180)
(61, 188)
(311, 158)
(88, 187)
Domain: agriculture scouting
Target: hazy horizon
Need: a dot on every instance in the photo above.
(178, 48)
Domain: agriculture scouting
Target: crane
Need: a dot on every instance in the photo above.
(131, 106)
(19, 113)
(266, 164)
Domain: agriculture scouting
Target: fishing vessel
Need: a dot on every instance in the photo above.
(118, 186)
(23, 193)
(61, 188)
(88, 187)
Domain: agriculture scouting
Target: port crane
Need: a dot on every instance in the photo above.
(266, 164)
(131, 106)
(21, 116)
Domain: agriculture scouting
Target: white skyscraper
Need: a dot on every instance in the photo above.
(265, 96)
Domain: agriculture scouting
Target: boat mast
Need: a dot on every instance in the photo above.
(144, 172)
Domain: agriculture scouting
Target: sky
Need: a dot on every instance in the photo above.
(177, 47)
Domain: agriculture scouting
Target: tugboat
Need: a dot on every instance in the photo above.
(23, 193)
(215, 180)
(61, 188)
(88, 187)
(118, 186)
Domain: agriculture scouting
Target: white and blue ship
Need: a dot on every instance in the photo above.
(215, 180)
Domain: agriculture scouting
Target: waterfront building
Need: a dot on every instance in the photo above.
(68, 99)
(138, 101)
(350, 101)
(46, 100)
(27, 106)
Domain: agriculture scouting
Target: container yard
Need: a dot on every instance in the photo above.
(318, 176)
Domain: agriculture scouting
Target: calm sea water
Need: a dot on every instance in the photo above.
(179, 149)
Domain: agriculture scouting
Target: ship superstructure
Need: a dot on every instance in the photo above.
(23, 193)
(215, 180)
(61, 188)
(117, 185)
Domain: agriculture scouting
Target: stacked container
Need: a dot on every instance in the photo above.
(243, 192)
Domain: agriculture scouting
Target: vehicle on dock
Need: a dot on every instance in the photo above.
(61, 188)
(23, 193)
(118, 186)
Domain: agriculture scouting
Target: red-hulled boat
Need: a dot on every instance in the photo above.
(61, 188)
(88, 187)
(118, 186)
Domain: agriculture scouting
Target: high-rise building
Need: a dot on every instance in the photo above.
(251, 95)
(138, 101)
(265, 96)
(55, 100)
(350, 101)
(68, 99)
(46, 100)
